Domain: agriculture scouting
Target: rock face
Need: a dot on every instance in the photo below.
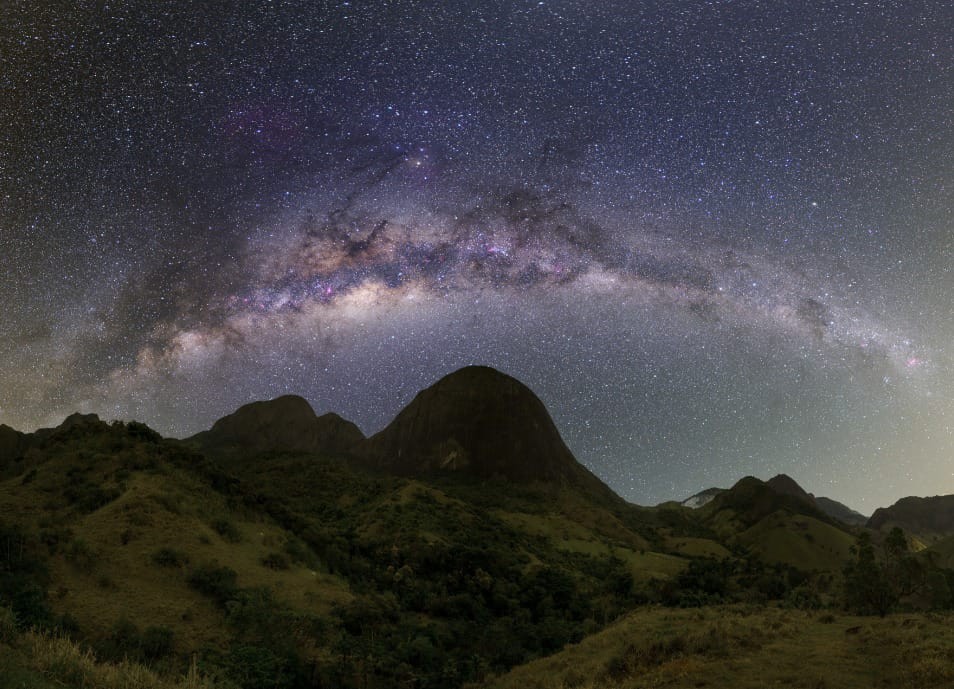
(286, 423)
(702, 498)
(480, 422)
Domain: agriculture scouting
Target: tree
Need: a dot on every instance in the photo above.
(867, 590)
(903, 572)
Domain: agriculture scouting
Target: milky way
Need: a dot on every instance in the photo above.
(716, 238)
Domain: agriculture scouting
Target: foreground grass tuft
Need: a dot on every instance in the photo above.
(34, 659)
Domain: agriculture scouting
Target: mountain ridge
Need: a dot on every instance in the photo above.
(285, 423)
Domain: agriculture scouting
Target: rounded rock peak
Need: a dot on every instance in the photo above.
(479, 421)
(285, 403)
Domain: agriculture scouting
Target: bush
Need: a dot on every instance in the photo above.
(156, 642)
(300, 553)
(123, 642)
(254, 666)
(141, 431)
(8, 625)
(275, 561)
(23, 578)
(54, 535)
(168, 557)
(214, 581)
(81, 555)
(88, 497)
(227, 530)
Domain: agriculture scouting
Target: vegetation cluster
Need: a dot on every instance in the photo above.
(296, 570)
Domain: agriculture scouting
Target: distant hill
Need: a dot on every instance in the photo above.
(286, 423)
(786, 485)
(833, 508)
(782, 483)
(780, 527)
(751, 500)
(483, 423)
(841, 512)
(701, 498)
(928, 519)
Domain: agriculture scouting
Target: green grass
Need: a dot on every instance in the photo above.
(750, 648)
(697, 547)
(798, 540)
(39, 661)
(162, 509)
(404, 581)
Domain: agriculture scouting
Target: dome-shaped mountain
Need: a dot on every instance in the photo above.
(480, 422)
(284, 423)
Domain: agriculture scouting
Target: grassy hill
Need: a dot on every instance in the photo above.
(749, 648)
(310, 566)
(191, 564)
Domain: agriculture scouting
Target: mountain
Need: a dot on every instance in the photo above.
(483, 423)
(462, 540)
(833, 508)
(928, 519)
(282, 568)
(286, 423)
(841, 512)
(701, 498)
(786, 485)
(12, 443)
(751, 500)
(774, 521)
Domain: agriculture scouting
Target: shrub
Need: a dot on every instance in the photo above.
(88, 497)
(227, 530)
(8, 625)
(67, 625)
(300, 553)
(168, 557)
(54, 535)
(123, 642)
(156, 642)
(275, 561)
(141, 431)
(81, 555)
(254, 666)
(214, 581)
(23, 577)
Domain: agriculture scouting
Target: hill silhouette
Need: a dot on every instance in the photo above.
(462, 540)
(929, 519)
(483, 423)
(286, 423)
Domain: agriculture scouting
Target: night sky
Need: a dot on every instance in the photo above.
(716, 238)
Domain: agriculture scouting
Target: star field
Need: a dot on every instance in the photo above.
(716, 238)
